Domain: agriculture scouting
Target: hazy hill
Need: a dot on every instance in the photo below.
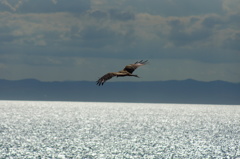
(186, 91)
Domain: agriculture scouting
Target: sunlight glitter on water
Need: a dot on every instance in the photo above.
(118, 130)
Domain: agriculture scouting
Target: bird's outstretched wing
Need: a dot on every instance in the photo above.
(104, 78)
(130, 68)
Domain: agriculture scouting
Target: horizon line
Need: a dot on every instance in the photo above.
(188, 79)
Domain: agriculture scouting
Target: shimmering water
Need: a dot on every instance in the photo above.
(32, 129)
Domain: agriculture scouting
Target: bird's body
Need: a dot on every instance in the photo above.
(127, 71)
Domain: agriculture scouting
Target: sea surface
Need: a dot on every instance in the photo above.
(87, 130)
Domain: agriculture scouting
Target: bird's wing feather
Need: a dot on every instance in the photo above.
(127, 71)
(104, 78)
(132, 67)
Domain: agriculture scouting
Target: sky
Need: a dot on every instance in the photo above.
(81, 40)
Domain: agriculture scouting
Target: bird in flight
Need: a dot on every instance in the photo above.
(127, 71)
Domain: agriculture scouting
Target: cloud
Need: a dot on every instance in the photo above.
(13, 6)
(5, 36)
(212, 21)
(182, 34)
(97, 37)
(233, 42)
(164, 7)
(46, 6)
(231, 6)
(98, 14)
(112, 14)
(57, 33)
(121, 15)
(145, 35)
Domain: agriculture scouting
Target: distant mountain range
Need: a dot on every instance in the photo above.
(186, 91)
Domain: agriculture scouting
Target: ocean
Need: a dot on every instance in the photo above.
(92, 130)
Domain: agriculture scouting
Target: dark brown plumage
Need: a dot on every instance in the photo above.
(127, 71)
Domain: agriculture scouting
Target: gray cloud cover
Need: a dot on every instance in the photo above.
(42, 37)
